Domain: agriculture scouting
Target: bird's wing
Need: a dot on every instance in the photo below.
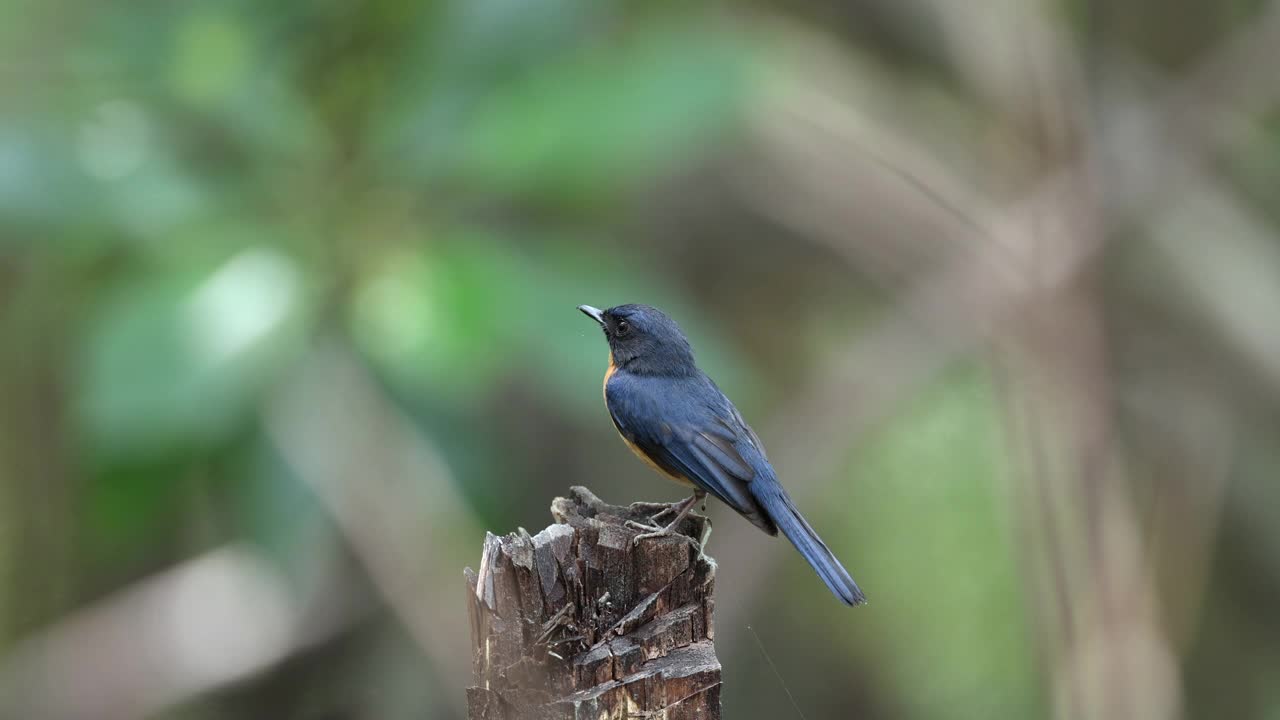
(692, 432)
(689, 429)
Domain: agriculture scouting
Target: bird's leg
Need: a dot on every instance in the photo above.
(681, 508)
(702, 543)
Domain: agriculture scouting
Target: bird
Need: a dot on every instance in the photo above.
(675, 419)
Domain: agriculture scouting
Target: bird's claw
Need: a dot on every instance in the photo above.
(644, 527)
(658, 509)
(660, 532)
(681, 509)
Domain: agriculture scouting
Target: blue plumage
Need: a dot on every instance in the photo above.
(674, 417)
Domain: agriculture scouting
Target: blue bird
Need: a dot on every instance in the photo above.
(675, 419)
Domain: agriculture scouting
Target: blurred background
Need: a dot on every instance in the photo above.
(287, 323)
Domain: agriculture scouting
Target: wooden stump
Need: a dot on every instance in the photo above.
(579, 622)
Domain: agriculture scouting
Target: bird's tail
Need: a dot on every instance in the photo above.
(779, 506)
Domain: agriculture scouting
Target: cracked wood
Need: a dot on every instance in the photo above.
(579, 622)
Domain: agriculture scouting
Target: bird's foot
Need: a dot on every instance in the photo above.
(681, 509)
(659, 510)
(649, 527)
(658, 532)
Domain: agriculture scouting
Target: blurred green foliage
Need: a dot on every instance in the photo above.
(199, 199)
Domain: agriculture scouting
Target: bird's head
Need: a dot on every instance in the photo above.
(643, 340)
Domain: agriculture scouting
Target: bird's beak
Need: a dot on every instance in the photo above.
(593, 313)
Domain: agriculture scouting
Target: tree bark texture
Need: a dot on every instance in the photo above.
(580, 622)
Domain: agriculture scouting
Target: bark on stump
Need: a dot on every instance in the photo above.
(578, 622)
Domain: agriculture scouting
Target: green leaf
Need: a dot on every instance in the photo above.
(213, 55)
(433, 319)
(599, 121)
(177, 362)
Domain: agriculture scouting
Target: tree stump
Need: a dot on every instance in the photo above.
(579, 622)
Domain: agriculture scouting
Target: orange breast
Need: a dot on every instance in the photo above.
(632, 446)
(649, 461)
(608, 374)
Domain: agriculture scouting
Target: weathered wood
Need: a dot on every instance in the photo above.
(579, 622)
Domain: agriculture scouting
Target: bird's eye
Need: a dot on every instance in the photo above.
(624, 327)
